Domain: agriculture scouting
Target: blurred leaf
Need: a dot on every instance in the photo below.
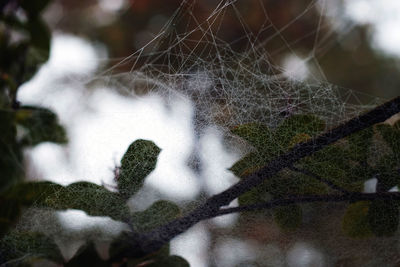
(34, 7)
(171, 261)
(123, 243)
(9, 213)
(159, 213)
(40, 35)
(41, 124)
(289, 217)
(355, 221)
(298, 124)
(137, 163)
(87, 256)
(25, 246)
(11, 170)
(383, 217)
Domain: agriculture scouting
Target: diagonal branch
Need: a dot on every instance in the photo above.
(352, 197)
(319, 178)
(154, 240)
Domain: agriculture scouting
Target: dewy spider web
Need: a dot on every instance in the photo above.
(234, 82)
(230, 86)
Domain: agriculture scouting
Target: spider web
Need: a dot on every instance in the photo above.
(234, 81)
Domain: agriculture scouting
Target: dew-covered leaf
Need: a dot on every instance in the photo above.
(247, 165)
(355, 220)
(383, 217)
(298, 124)
(41, 126)
(137, 163)
(30, 193)
(95, 200)
(25, 246)
(259, 136)
(289, 217)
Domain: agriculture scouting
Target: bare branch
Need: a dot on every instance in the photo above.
(154, 240)
(352, 197)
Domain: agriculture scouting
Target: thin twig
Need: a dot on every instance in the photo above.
(319, 178)
(352, 197)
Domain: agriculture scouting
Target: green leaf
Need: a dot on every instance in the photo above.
(247, 165)
(259, 136)
(255, 195)
(125, 243)
(391, 135)
(289, 217)
(355, 221)
(9, 213)
(87, 256)
(159, 213)
(383, 217)
(25, 246)
(41, 124)
(298, 124)
(40, 35)
(95, 200)
(11, 170)
(387, 172)
(137, 163)
(359, 144)
(123, 247)
(171, 261)
(33, 193)
(334, 164)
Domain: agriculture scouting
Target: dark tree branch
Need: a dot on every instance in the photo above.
(319, 178)
(154, 240)
(352, 197)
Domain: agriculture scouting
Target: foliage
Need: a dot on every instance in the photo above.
(335, 173)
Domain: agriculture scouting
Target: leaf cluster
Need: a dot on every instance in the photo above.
(24, 126)
(342, 167)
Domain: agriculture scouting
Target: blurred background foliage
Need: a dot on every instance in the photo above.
(343, 50)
